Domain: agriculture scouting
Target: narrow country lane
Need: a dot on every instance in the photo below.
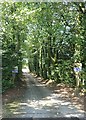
(40, 102)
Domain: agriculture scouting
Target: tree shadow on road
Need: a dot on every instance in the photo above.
(37, 101)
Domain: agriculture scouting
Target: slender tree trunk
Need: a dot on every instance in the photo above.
(41, 62)
(19, 57)
(49, 56)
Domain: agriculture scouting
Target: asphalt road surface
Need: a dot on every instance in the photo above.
(40, 102)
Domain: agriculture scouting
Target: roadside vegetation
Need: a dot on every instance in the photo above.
(49, 38)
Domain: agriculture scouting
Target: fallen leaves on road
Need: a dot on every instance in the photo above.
(66, 92)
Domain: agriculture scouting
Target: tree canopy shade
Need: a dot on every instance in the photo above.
(52, 37)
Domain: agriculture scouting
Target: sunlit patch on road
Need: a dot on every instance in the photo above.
(25, 70)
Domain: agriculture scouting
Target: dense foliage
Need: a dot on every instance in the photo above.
(52, 37)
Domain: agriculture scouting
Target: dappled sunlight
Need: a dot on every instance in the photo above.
(25, 70)
(38, 101)
(74, 115)
(45, 107)
(25, 104)
(40, 85)
(66, 103)
(13, 105)
(16, 113)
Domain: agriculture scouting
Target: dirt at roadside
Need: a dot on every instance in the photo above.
(14, 93)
